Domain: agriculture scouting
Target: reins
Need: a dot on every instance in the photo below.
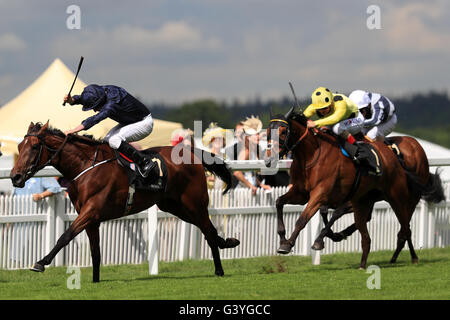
(35, 167)
(303, 136)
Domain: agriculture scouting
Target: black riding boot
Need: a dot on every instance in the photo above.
(144, 164)
(352, 150)
(364, 157)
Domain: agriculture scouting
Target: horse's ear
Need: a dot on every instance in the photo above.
(288, 114)
(30, 126)
(44, 127)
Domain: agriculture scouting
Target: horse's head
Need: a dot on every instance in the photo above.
(282, 134)
(33, 155)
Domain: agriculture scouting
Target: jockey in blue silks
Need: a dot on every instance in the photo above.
(134, 118)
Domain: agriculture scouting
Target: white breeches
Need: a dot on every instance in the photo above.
(382, 129)
(129, 133)
(353, 125)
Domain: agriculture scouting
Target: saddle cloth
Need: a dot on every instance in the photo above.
(134, 177)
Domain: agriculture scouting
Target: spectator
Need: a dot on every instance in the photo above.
(39, 188)
(247, 148)
(185, 136)
(214, 138)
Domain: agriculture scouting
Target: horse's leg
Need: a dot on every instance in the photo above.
(78, 225)
(199, 216)
(312, 207)
(94, 242)
(214, 240)
(293, 197)
(339, 236)
(324, 214)
(362, 209)
(404, 235)
(326, 231)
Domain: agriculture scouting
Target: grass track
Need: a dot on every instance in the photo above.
(274, 278)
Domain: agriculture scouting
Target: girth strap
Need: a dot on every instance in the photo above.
(355, 185)
(130, 199)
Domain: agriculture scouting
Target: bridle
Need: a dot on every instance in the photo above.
(36, 167)
(286, 148)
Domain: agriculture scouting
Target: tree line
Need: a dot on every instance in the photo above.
(425, 115)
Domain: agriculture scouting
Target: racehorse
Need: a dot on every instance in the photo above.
(322, 176)
(412, 159)
(101, 194)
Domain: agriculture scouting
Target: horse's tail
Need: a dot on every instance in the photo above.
(433, 191)
(215, 165)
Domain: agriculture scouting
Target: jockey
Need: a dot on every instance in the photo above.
(378, 111)
(135, 120)
(341, 114)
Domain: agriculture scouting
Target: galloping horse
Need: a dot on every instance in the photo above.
(322, 176)
(413, 160)
(101, 193)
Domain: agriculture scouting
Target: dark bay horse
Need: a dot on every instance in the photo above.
(413, 160)
(101, 193)
(322, 176)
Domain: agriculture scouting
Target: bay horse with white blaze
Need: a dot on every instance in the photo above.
(101, 193)
(322, 176)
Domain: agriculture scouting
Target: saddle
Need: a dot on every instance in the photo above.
(368, 162)
(155, 180)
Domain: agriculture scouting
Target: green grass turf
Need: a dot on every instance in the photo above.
(275, 278)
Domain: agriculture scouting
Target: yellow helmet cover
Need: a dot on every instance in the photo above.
(321, 98)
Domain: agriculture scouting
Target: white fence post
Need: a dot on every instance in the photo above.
(60, 208)
(315, 229)
(153, 244)
(423, 225)
(185, 236)
(50, 227)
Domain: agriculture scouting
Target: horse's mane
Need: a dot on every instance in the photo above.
(299, 117)
(85, 138)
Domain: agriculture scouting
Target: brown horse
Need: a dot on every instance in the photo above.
(412, 159)
(322, 176)
(101, 193)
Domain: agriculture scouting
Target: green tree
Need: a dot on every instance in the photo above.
(205, 110)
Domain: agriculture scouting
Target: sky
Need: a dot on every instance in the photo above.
(178, 51)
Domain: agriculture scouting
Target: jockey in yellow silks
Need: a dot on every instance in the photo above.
(341, 115)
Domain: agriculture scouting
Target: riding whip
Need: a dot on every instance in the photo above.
(76, 76)
(293, 92)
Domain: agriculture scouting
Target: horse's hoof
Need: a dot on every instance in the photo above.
(338, 237)
(393, 261)
(285, 248)
(232, 242)
(37, 267)
(318, 245)
(415, 261)
(219, 273)
(362, 268)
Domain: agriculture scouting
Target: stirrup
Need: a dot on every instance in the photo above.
(148, 167)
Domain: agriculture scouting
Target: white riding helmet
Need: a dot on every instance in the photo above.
(360, 98)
